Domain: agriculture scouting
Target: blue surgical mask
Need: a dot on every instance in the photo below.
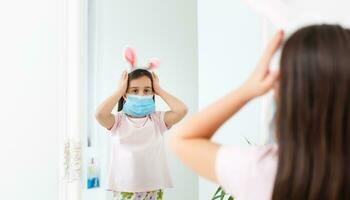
(139, 106)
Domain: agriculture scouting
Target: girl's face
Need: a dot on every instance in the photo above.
(141, 86)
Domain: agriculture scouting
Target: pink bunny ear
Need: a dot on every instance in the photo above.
(130, 57)
(276, 11)
(153, 63)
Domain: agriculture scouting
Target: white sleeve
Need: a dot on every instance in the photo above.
(232, 167)
(159, 120)
(117, 119)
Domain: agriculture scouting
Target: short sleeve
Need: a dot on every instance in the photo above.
(239, 169)
(117, 119)
(159, 120)
(231, 167)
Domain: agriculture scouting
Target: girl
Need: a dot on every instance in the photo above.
(138, 168)
(311, 159)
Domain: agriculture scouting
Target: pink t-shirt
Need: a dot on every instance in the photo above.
(138, 162)
(247, 173)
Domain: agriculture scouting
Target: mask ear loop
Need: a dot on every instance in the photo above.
(275, 60)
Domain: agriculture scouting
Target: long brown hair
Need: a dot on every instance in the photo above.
(313, 115)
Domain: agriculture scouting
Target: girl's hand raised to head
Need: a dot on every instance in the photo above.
(103, 113)
(262, 79)
(178, 109)
(156, 85)
(123, 82)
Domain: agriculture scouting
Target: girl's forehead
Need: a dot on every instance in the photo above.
(141, 82)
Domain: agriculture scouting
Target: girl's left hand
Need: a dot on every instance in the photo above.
(263, 79)
(156, 85)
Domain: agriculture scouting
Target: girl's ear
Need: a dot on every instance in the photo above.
(130, 57)
(153, 63)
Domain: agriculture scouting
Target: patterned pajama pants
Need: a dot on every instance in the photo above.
(152, 195)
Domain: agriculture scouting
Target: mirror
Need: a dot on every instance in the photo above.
(155, 28)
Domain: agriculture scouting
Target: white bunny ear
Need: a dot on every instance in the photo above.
(153, 63)
(275, 11)
(130, 57)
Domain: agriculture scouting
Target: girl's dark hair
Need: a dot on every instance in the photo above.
(313, 115)
(131, 76)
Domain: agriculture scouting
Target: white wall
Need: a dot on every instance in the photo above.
(29, 50)
(157, 28)
(229, 45)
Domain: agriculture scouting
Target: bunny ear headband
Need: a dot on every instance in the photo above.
(289, 18)
(130, 57)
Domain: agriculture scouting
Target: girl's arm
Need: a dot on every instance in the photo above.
(103, 113)
(191, 142)
(177, 108)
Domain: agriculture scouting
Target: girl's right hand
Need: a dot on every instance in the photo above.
(123, 82)
(263, 79)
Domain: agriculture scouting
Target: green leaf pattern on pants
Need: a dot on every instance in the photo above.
(151, 195)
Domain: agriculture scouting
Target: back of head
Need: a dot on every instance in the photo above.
(313, 115)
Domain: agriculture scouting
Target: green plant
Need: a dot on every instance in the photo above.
(221, 195)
